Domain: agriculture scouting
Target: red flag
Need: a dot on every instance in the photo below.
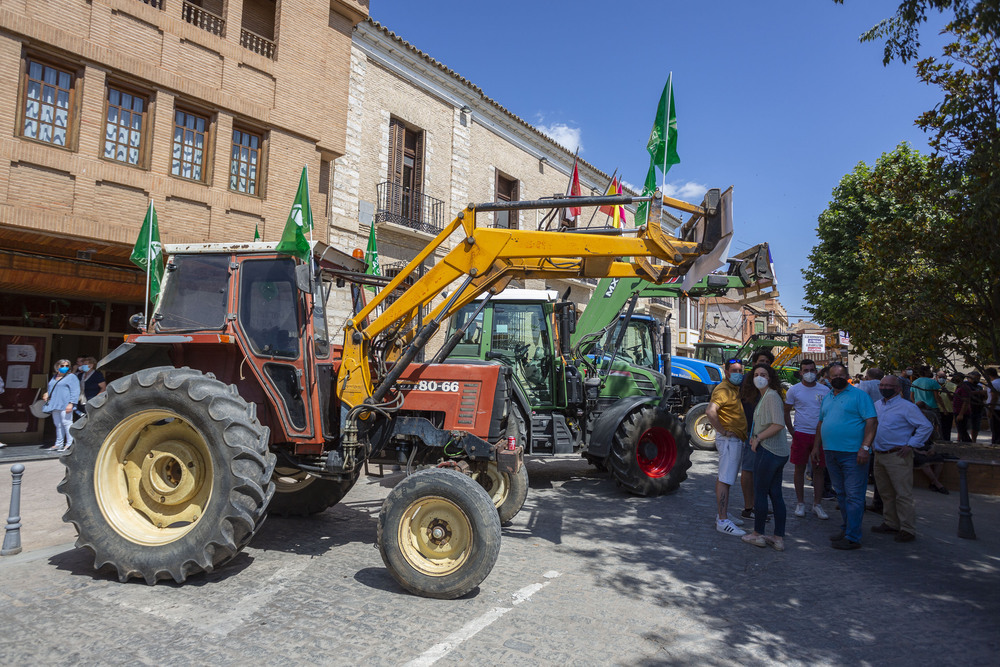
(573, 212)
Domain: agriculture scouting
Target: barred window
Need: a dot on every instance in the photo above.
(125, 126)
(245, 162)
(188, 159)
(48, 94)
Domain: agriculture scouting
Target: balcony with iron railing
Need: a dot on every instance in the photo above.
(204, 19)
(402, 206)
(157, 4)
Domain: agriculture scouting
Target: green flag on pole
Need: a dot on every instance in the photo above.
(148, 253)
(662, 146)
(256, 233)
(300, 220)
(371, 256)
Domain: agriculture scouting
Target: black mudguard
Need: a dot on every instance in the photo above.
(606, 425)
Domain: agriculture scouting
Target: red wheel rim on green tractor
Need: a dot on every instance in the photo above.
(656, 452)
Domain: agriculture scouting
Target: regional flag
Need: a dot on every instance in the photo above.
(662, 144)
(300, 220)
(371, 256)
(574, 190)
(148, 253)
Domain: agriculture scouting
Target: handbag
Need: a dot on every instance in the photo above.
(37, 407)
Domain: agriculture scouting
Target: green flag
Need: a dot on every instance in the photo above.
(148, 252)
(662, 144)
(300, 220)
(371, 256)
(648, 188)
(256, 233)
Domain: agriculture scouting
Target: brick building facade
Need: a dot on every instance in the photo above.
(209, 108)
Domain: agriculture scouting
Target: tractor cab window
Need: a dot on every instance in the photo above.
(637, 346)
(269, 307)
(195, 294)
(470, 344)
(321, 336)
(521, 337)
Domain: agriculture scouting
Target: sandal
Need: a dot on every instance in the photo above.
(754, 539)
(777, 543)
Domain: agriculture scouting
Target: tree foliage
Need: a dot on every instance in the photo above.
(921, 235)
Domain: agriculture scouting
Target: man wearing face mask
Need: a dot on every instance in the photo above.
(844, 435)
(805, 398)
(901, 428)
(725, 412)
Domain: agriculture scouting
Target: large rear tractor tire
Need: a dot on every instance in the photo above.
(297, 493)
(438, 533)
(699, 429)
(170, 475)
(650, 453)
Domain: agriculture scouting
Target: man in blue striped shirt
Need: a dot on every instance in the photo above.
(902, 427)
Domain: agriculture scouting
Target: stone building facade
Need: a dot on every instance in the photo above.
(209, 108)
(458, 146)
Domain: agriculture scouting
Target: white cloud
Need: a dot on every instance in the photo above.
(564, 135)
(630, 186)
(690, 191)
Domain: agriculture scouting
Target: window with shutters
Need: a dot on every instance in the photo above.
(190, 145)
(406, 170)
(126, 126)
(48, 103)
(506, 190)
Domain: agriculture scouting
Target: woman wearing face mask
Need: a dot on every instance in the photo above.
(770, 446)
(91, 379)
(60, 400)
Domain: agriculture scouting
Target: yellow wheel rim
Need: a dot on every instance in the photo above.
(435, 536)
(291, 480)
(496, 483)
(153, 477)
(704, 429)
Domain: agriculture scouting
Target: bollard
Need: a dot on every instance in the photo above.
(12, 535)
(965, 528)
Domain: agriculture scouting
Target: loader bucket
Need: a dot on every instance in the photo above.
(715, 228)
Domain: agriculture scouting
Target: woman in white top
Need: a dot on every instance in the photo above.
(771, 449)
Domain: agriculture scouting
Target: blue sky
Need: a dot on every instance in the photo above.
(777, 98)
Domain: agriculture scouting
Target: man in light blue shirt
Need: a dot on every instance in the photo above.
(845, 432)
(901, 428)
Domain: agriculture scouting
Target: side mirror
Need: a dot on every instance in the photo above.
(303, 278)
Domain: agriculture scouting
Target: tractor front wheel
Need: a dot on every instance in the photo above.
(170, 475)
(508, 492)
(438, 533)
(699, 429)
(650, 453)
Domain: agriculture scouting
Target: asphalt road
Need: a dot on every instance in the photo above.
(586, 575)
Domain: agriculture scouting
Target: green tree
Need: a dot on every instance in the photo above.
(936, 258)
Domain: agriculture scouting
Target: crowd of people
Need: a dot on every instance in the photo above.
(849, 430)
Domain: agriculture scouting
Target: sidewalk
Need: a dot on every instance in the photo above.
(22, 453)
(42, 506)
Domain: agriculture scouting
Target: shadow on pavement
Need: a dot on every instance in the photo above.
(810, 603)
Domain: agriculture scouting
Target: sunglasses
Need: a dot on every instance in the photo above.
(734, 361)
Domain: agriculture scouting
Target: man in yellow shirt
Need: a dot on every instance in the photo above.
(725, 412)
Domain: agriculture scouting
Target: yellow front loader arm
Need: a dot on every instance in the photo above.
(490, 258)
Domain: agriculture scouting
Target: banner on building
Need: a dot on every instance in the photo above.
(844, 338)
(813, 344)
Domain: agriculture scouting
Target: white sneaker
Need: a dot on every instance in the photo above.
(820, 512)
(729, 528)
(800, 509)
(736, 520)
(3, 444)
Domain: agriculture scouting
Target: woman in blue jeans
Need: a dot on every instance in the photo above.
(771, 449)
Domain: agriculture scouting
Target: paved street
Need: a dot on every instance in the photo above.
(586, 576)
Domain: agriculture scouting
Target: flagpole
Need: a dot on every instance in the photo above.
(615, 173)
(666, 139)
(149, 253)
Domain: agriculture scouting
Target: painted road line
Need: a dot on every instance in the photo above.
(472, 628)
